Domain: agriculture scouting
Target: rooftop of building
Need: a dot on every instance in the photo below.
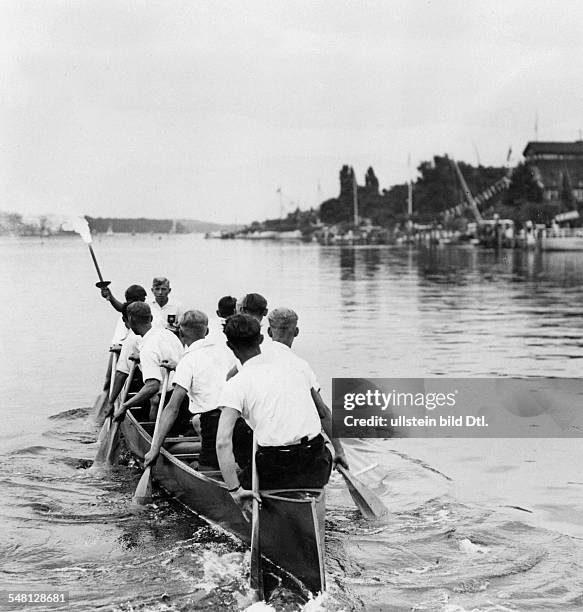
(553, 148)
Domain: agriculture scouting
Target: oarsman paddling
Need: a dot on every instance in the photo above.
(134, 293)
(157, 346)
(276, 402)
(200, 376)
(283, 330)
(129, 350)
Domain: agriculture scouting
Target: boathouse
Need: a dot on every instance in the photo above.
(558, 169)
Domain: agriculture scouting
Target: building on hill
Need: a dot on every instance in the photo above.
(558, 169)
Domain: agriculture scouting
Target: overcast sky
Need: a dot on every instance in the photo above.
(203, 109)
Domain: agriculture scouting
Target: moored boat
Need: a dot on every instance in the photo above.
(562, 239)
(292, 521)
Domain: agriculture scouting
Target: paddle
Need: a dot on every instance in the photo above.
(111, 440)
(103, 438)
(100, 402)
(256, 573)
(369, 504)
(143, 494)
(102, 398)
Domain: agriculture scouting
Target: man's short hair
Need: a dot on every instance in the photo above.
(283, 318)
(140, 312)
(227, 306)
(242, 330)
(135, 293)
(160, 281)
(255, 303)
(195, 320)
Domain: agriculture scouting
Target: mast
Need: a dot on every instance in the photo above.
(467, 192)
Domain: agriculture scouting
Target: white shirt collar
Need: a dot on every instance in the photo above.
(197, 345)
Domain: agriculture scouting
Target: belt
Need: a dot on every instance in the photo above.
(302, 442)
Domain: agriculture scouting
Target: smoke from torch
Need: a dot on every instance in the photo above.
(80, 225)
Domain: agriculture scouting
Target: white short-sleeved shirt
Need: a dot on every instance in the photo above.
(202, 372)
(215, 327)
(158, 345)
(120, 333)
(278, 350)
(160, 313)
(275, 401)
(128, 347)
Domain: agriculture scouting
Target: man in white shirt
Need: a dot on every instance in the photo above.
(283, 329)
(129, 348)
(200, 376)
(165, 312)
(276, 402)
(254, 304)
(158, 346)
(134, 293)
(225, 309)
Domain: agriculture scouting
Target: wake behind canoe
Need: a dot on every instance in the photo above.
(292, 521)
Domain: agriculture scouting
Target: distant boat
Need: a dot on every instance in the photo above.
(221, 234)
(109, 231)
(562, 239)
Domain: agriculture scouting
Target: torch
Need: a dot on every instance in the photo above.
(101, 284)
(80, 225)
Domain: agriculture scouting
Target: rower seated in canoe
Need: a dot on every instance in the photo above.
(198, 380)
(275, 399)
(158, 347)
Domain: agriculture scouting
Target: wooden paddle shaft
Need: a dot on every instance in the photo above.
(143, 493)
(256, 573)
(162, 400)
(112, 372)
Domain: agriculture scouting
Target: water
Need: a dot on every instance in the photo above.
(473, 524)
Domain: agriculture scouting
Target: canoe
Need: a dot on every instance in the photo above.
(292, 520)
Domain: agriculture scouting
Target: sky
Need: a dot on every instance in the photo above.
(204, 110)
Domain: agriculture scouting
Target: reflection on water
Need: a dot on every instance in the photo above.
(489, 524)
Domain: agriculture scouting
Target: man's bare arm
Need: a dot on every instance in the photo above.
(227, 463)
(167, 419)
(326, 418)
(150, 388)
(108, 295)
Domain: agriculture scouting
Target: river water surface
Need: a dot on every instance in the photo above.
(473, 524)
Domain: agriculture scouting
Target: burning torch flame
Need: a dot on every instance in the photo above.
(79, 225)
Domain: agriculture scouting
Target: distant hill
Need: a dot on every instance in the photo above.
(101, 225)
(49, 225)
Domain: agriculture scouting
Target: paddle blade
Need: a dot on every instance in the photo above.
(369, 504)
(100, 406)
(256, 571)
(143, 494)
(103, 443)
(112, 443)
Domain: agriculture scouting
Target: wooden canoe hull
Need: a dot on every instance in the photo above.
(292, 522)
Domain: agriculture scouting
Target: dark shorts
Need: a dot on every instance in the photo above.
(301, 466)
(182, 425)
(242, 440)
(209, 423)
